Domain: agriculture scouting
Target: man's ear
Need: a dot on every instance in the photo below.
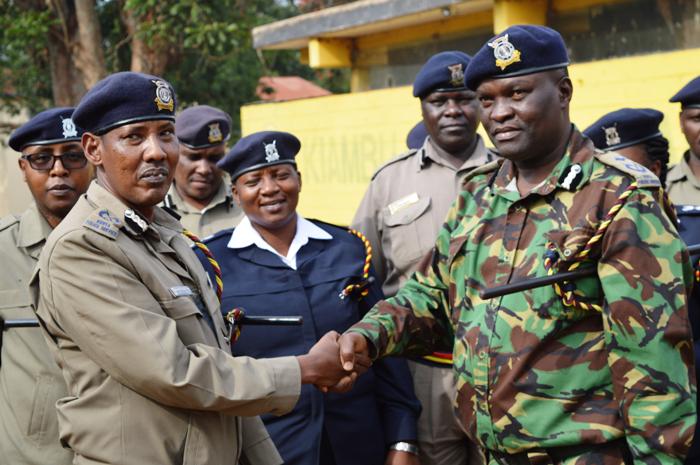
(299, 174)
(92, 146)
(566, 90)
(23, 167)
(234, 192)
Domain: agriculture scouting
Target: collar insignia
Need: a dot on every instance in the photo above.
(271, 153)
(134, 221)
(164, 96)
(69, 129)
(215, 134)
(457, 77)
(571, 177)
(504, 52)
(611, 136)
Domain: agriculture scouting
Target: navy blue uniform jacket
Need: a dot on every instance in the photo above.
(357, 427)
(689, 230)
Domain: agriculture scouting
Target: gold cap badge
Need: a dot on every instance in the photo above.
(164, 96)
(215, 134)
(504, 52)
(457, 78)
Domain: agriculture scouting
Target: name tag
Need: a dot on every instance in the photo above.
(181, 291)
(402, 203)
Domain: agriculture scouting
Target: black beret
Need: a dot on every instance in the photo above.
(689, 95)
(53, 126)
(517, 51)
(124, 98)
(260, 150)
(416, 137)
(202, 126)
(625, 127)
(443, 71)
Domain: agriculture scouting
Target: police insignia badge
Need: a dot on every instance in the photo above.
(457, 77)
(134, 221)
(69, 129)
(571, 177)
(215, 134)
(164, 96)
(271, 153)
(504, 52)
(611, 136)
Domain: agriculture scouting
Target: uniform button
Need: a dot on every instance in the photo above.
(482, 354)
(567, 252)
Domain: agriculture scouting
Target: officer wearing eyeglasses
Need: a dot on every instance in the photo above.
(57, 173)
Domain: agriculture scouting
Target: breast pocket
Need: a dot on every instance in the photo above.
(188, 318)
(408, 242)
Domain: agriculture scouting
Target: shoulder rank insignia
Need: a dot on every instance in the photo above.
(642, 175)
(134, 221)
(571, 177)
(611, 136)
(69, 129)
(504, 52)
(103, 222)
(215, 134)
(271, 153)
(457, 75)
(164, 96)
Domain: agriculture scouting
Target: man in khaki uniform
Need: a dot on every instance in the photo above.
(201, 193)
(57, 173)
(133, 322)
(401, 215)
(683, 182)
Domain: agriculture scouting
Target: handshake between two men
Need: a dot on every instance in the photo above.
(335, 361)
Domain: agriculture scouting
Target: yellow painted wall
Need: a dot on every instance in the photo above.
(346, 137)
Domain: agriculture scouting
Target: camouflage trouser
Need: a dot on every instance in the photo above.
(612, 453)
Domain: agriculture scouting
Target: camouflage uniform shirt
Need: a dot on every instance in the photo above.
(531, 372)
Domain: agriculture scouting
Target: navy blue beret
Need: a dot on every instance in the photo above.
(625, 127)
(444, 71)
(416, 137)
(53, 126)
(689, 95)
(517, 51)
(124, 98)
(260, 150)
(202, 126)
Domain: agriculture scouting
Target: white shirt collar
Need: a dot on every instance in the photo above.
(245, 235)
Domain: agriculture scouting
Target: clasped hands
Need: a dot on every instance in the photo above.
(334, 362)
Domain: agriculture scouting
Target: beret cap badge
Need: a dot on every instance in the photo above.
(612, 137)
(271, 153)
(457, 74)
(504, 52)
(164, 96)
(69, 129)
(215, 134)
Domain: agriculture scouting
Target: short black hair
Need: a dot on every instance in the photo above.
(657, 149)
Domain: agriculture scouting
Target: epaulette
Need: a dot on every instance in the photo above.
(103, 222)
(217, 235)
(8, 221)
(644, 177)
(170, 211)
(326, 223)
(483, 169)
(398, 158)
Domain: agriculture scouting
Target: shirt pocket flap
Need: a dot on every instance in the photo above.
(180, 307)
(408, 214)
(569, 244)
(15, 298)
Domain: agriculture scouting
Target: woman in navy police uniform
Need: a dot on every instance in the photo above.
(275, 262)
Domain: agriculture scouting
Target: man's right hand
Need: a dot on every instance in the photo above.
(354, 349)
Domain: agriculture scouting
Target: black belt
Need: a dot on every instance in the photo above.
(557, 455)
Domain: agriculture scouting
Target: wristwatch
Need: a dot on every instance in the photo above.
(403, 446)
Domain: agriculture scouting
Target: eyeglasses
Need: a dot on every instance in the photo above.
(45, 161)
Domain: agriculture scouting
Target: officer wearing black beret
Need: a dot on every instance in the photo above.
(683, 183)
(634, 133)
(201, 193)
(402, 219)
(57, 174)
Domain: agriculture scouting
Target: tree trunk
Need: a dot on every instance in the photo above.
(87, 52)
(145, 58)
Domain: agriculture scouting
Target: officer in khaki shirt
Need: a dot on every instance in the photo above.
(131, 319)
(57, 173)
(683, 184)
(401, 214)
(201, 193)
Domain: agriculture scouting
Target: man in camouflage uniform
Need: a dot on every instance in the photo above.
(600, 371)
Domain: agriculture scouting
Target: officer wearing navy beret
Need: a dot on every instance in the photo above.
(635, 134)
(402, 219)
(131, 318)
(57, 174)
(275, 262)
(683, 183)
(200, 192)
(580, 373)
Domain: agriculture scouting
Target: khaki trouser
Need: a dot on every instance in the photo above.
(441, 439)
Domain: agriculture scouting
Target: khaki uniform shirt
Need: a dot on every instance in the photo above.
(405, 206)
(221, 213)
(30, 381)
(136, 328)
(681, 184)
